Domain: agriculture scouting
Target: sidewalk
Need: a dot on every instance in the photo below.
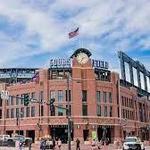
(73, 147)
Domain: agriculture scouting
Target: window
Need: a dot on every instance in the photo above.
(52, 94)
(0, 114)
(123, 113)
(7, 113)
(12, 113)
(27, 111)
(104, 97)
(33, 111)
(11, 100)
(7, 102)
(118, 112)
(60, 96)
(84, 110)
(98, 110)
(122, 99)
(42, 110)
(98, 96)
(0, 101)
(105, 111)
(110, 112)
(69, 95)
(17, 112)
(110, 97)
(41, 96)
(60, 111)
(17, 99)
(84, 95)
(22, 112)
(33, 95)
(22, 100)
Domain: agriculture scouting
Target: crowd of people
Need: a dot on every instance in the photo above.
(51, 143)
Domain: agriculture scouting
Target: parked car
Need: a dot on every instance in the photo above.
(133, 143)
(12, 140)
(3, 139)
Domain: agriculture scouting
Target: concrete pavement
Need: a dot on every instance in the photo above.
(64, 147)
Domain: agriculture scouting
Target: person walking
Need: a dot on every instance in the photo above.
(93, 144)
(59, 144)
(77, 144)
(43, 144)
(53, 143)
(21, 145)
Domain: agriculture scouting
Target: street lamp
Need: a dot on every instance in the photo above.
(69, 111)
(68, 114)
(18, 120)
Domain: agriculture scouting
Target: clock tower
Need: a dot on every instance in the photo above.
(83, 80)
(82, 56)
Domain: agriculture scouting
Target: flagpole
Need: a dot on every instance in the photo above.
(81, 42)
(73, 34)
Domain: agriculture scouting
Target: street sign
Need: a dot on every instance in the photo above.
(4, 94)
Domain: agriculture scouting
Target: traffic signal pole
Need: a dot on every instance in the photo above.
(27, 100)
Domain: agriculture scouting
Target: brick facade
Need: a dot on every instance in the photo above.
(101, 112)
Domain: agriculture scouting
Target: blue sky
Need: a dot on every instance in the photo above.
(34, 31)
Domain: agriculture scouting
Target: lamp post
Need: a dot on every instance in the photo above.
(68, 114)
(4, 96)
(120, 108)
(19, 120)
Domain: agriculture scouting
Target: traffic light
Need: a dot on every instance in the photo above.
(52, 107)
(26, 100)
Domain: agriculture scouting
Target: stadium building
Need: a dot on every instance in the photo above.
(100, 101)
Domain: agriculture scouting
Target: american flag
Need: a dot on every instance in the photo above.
(74, 33)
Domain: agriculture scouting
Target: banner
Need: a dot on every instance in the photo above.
(94, 135)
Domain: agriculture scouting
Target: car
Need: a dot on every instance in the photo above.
(3, 139)
(12, 140)
(133, 143)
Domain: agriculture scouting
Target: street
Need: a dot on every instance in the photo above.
(64, 147)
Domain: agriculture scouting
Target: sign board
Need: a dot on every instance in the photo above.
(66, 63)
(60, 63)
(99, 64)
(94, 135)
(4, 94)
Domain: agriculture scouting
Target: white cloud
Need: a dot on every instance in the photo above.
(50, 21)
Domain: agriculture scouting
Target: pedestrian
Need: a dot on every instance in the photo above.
(99, 145)
(93, 144)
(53, 143)
(30, 145)
(50, 143)
(43, 144)
(77, 144)
(21, 145)
(59, 144)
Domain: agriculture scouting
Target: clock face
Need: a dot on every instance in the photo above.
(82, 58)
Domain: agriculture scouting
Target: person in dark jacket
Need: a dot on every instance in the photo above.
(53, 144)
(43, 144)
(77, 144)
